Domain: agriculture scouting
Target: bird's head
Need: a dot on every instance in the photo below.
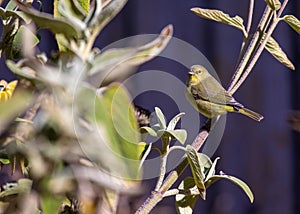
(196, 74)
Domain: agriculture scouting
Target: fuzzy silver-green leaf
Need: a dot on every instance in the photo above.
(195, 163)
(234, 180)
(220, 16)
(293, 22)
(274, 4)
(174, 121)
(273, 48)
(185, 203)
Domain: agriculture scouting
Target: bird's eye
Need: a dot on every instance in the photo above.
(2, 87)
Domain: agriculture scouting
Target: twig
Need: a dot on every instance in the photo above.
(250, 50)
(282, 8)
(157, 196)
(250, 15)
(260, 49)
(164, 164)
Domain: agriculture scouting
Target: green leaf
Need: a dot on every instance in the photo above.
(234, 180)
(212, 169)
(118, 63)
(121, 111)
(51, 203)
(172, 124)
(160, 118)
(69, 9)
(19, 45)
(116, 132)
(11, 108)
(56, 25)
(178, 134)
(293, 22)
(194, 163)
(74, 14)
(11, 190)
(84, 4)
(274, 4)
(4, 161)
(7, 13)
(26, 73)
(149, 130)
(186, 203)
(100, 17)
(220, 16)
(273, 48)
(205, 161)
(11, 5)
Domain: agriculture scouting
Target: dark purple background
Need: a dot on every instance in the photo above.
(265, 155)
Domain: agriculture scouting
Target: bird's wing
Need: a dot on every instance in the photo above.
(213, 91)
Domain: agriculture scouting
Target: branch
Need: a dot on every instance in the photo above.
(251, 48)
(157, 196)
(250, 15)
(235, 87)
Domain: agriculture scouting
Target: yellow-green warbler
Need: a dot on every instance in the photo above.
(7, 89)
(209, 97)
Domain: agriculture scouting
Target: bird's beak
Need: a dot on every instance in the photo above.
(191, 73)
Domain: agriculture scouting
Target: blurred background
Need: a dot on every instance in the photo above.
(265, 155)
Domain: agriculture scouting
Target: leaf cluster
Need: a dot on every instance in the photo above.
(69, 127)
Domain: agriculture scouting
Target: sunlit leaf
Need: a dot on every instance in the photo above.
(11, 5)
(234, 180)
(74, 8)
(51, 203)
(220, 16)
(212, 169)
(194, 163)
(149, 130)
(118, 63)
(117, 149)
(293, 22)
(12, 108)
(56, 25)
(4, 161)
(8, 13)
(99, 20)
(122, 114)
(23, 72)
(172, 124)
(10, 190)
(205, 162)
(185, 203)
(18, 42)
(273, 48)
(274, 4)
(68, 9)
(84, 4)
(160, 118)
(178, 134)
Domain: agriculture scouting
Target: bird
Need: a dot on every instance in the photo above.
(209, 97)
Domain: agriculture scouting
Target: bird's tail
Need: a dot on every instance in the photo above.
(251, 114)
